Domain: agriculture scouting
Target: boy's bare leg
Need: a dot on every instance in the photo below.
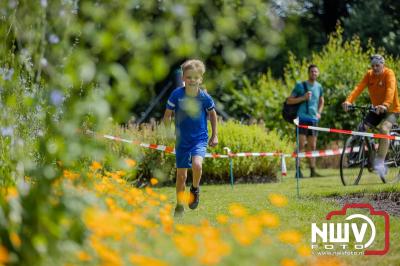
(197, 168)
(197, 162)
(181, 176)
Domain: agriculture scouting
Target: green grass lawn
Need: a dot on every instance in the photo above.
(311, 206)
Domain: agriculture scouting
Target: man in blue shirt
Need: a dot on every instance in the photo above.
(310, 94)
(192, 105)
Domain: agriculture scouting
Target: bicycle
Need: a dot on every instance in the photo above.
(359, 153)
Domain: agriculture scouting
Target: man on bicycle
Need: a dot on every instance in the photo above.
(382, 89)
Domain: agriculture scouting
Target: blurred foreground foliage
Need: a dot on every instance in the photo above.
(68, 65)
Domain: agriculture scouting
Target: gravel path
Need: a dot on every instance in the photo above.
(386, 201)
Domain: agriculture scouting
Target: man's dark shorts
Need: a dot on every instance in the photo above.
(306, 131)
(373, 120)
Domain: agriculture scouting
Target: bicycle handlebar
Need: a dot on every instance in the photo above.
(362, 108)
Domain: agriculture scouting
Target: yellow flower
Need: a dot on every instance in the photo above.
(304, 250)
(3, 255)
(237, 210)
(130, 162)
(141, 260)
(83, 256)
(288, 262)
(95, 166)
(290, 237)
(70, 175)
(222, 219)
(278, 200)
(153, 181)
(11, 192)
(163, 197)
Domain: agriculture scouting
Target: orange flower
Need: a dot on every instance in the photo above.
(146, 261)
(83, 256)
(304, 250)
(15, 240)
(269, 219)
(186, 244)
(185, 198)
(70, 175)
(153, 181)
(222, 219)
(290, 237)
(278, 200)
(3, 255)
(288, 262)
(130, 162)
(237, 210)
(163, 197)
(241, 235)
(95, 166)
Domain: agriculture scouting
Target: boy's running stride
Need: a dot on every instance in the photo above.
(192, 105)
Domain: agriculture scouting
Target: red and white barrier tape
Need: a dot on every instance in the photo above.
(171, 150)
(348, 132)
(322, 153)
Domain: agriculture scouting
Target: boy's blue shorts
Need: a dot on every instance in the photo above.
(184, 154)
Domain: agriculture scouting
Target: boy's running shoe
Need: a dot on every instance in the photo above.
(195, 195)
(179, 210)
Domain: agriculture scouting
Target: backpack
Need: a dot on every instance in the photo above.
(289, 111)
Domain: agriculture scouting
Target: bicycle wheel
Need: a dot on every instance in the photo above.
(352, 160)
(392, 163)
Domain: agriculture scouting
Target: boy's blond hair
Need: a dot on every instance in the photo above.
(194, 64)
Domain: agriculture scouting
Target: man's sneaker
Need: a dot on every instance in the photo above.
(300, 174)
(380, 168)
(179, 210)
(313, 173)
(194, 197)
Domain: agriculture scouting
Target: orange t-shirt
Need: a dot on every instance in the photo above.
(382, 89)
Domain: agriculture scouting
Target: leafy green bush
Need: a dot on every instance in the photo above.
(342, 65)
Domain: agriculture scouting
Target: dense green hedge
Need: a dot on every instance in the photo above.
(236, 136)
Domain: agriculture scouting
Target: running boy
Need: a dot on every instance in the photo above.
(192, 105)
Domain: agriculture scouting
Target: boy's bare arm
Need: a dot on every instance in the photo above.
(214, 136)
(167, 117)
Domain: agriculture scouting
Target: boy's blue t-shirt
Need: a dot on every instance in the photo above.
(190, 116)
(316, 89)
